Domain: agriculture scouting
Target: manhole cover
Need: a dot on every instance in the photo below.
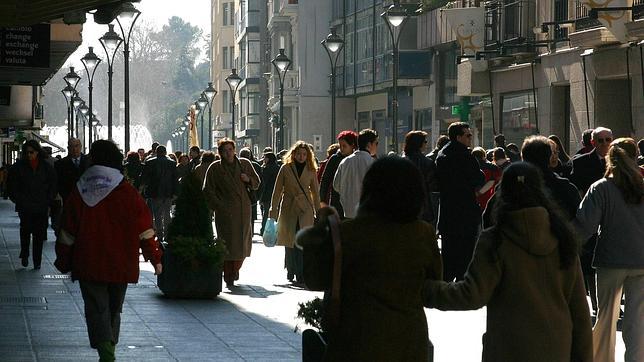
(23, 300)
(56, 276)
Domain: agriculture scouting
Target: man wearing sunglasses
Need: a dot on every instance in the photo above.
(590, 167)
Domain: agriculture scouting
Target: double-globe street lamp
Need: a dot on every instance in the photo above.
(333, 44)
(395, 17)
(233, 80)
(90, 62)
(201, 104)
(71, 79)
(128, 16)
(210, 92)
(110, 42)
(281, 64)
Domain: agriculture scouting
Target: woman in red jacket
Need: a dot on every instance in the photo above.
(105, 223)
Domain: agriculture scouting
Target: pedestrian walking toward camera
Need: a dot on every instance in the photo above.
(348, 142)
(160, 182)
(270, 169)
(31, 185)
(414, 151)
(348, 178)
(562, 165)
(68, 171)
(294, 203)
(526, 271)
(492, 175)
(614, 205)
(105, 223)
(226, 188)
(195, 157)
(387, 254)
(459, 178)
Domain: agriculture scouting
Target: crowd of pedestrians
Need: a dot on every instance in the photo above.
(532, 233)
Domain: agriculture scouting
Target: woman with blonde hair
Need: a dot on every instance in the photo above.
(614, 205)
(294, 203)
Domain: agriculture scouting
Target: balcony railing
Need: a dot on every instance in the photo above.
(291, 84)
(638, 9)
(582, 19)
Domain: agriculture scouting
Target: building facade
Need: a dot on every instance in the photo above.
(223, 60)
(547, 67)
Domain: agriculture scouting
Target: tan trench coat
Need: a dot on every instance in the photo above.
(226, 195)
(289, 204)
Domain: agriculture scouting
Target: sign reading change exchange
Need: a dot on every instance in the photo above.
(25, 46)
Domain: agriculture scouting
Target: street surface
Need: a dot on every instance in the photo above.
(41, 315)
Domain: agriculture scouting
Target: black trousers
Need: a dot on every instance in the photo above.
(33, 223)
(457, 248)
(103, 307)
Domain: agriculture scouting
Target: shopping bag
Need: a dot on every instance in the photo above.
(270, 233)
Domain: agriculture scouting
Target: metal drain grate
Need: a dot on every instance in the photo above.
(23, 300)
(56, 276)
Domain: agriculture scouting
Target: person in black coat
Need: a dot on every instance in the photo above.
(160, 181)
(415, 146)
(32, 187)
(459, 218)
(590, 167)
(70, 168)
(348, 141)
(269, 172)
(247, 153)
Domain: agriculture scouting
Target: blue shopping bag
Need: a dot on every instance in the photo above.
(270, 233)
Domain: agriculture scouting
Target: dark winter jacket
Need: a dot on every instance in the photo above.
(586, 169)
(327, 194)
(268, 176)
(427, 170)
(160, 178)
(68, 174)
(32, 190)
(459, 176)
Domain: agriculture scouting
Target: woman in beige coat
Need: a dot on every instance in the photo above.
(527, 271)
(294, 203)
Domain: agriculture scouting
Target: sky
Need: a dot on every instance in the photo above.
(156, 12)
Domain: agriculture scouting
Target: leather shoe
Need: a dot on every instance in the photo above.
(25, 262)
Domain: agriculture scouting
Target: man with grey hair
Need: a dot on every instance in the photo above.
(591, 166)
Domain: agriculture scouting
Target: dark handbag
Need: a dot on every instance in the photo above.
(252, 194)
(314, 343)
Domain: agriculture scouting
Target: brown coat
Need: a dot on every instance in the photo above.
(226, 195)
(536, 311)
(289, 204)
(200, 171)
(384, 266)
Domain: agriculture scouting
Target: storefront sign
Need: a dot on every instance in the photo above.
(25, 46)
(468, 25)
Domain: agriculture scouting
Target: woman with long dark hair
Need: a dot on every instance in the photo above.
(614, 205)
(31, 185)
(526, 270)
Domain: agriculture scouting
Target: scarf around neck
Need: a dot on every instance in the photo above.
(97, 182)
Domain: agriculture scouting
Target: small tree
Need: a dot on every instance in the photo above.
(190, 235)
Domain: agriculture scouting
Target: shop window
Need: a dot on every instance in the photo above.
(518, 119)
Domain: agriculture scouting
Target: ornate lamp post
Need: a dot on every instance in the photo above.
(233, 81)
(281, 64)
(83, 109)
(71, 79)
(76, 102)
(68, 92)
(210, 93)
(110, 42)
(90, 62)
(395, 17)
(201, 104)
(333, 44)
(94, 125)
(128, 16)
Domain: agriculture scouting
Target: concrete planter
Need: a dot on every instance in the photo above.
(181, 281)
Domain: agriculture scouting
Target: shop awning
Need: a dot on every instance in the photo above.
(29, 12)
(42, 139)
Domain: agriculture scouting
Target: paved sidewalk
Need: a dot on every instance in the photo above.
(41, 314)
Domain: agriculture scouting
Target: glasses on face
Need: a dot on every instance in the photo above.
(604, 140)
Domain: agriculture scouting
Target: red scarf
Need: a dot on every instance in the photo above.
(34, 163)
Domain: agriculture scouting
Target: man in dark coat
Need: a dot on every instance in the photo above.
(459, 177)
(160, 181)
(195, 157)
(586, 169)
(70, 168)
(31, 185)
(270, 169)
(348, 141)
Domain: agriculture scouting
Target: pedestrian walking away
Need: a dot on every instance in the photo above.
(161, 185)
(348, 143)
(104, 225)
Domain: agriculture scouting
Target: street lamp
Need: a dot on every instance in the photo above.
(333, 44)
(94, 123)
(395, 17)
(210, 93)
(281, 64)
(83, 109)
(129, 14)
(72, 78)
(110, 42)
(202, 102)
(68, 92)
(90, 62)
(233, 81)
